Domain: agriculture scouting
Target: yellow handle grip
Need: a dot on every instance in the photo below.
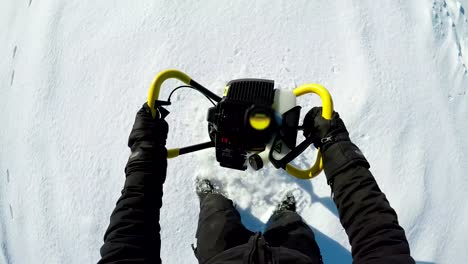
(327, 111)
(153, 93)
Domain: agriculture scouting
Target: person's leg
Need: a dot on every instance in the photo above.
(287, 229)
(219, 227)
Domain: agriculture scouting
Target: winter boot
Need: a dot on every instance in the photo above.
(288, 203)
(203, 188)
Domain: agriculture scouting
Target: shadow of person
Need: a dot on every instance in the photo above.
(331, 251)
(307, 186)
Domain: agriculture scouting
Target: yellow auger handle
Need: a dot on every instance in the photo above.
(327, 111)
(153, 95)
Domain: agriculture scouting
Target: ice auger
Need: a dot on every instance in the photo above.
(251, 124)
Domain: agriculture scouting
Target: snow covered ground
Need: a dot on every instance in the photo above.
(74, 73)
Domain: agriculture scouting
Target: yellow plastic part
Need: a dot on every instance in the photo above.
(306, 174)
(172, 153)
(259, 121)
(327, 111)
(153, 93)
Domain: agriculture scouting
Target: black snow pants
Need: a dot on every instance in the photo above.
(220, 229)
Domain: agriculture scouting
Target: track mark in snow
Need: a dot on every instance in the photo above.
(13, 72)
(236, 53)
(335, 69)
(30, 1)
(11, 211)
(451, 13)
(6, 255)
(12, 78)
(8, 176)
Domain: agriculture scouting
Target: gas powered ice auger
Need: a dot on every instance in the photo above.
(252, 122)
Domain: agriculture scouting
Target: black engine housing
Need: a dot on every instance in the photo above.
(228, 121)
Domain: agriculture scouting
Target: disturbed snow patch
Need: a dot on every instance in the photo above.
(450, 15)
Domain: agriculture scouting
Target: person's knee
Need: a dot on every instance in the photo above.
(284, 219)
(218, 201)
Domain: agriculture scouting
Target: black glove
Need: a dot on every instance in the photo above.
(331, 136)
(148, 129)
(149, 155)
(147, 165)
(324, 132)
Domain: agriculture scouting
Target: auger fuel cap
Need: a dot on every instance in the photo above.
(259, 121)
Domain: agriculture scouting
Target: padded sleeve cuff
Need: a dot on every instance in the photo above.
(146, 165)
(340, 156)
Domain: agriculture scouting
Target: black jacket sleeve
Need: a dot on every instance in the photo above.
(371, 224)
(133, 233)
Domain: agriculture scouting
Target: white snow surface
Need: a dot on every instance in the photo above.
(74, 73)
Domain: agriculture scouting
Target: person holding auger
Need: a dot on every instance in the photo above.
(369, 220)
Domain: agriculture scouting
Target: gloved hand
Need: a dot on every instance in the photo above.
(331, 136)
(148, 129)
(147, 141)
(324, 132)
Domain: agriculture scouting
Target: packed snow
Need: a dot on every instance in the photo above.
(74, 73)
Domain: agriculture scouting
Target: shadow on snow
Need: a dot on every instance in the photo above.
(331, 251)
